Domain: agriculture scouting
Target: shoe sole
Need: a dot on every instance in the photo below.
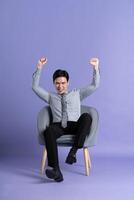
(51, 175)
(70, 163)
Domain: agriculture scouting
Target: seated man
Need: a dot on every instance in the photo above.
(67, 119)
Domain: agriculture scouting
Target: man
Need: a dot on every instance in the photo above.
(67, 119)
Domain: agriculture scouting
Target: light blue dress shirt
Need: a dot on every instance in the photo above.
(73, 97)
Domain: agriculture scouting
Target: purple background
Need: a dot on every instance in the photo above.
(68, 33)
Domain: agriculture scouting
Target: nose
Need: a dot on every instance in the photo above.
(60, 86)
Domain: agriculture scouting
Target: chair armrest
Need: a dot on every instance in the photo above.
(43, 120)
(91, 138)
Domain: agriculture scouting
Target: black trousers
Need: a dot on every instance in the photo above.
(80, 129)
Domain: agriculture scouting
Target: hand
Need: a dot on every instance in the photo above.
(42, 61)
(94, 62)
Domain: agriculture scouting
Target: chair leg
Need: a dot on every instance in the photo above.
(87, 160)
(43, 162)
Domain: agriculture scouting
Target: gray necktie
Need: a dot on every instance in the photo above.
(64, 111)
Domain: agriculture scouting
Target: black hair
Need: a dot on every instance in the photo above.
(60, 73)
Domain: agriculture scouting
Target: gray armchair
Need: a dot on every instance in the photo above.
(45, 118)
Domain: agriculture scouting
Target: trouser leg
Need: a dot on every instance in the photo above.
(82, 130)
(50, 135)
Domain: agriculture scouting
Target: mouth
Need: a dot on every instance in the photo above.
(60, 91)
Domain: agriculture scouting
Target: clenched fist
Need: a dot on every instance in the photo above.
(94, 62)
(42, 61)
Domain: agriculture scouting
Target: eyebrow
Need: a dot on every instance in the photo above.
(60, 82)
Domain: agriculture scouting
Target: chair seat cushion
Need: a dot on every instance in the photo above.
(66, 140)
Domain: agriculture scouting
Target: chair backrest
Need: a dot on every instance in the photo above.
(44, 118)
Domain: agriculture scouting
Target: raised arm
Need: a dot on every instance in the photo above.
(90, 88)
(42, 93)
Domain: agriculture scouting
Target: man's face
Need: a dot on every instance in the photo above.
(61, 85)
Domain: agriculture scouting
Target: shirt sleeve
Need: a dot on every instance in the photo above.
(89, 89)
(42, 93)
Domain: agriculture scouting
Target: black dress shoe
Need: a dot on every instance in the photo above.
(54, 174)
(71, 159)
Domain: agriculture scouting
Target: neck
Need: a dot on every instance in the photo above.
(63, 93)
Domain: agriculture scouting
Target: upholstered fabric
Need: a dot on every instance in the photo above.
(45, 118)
